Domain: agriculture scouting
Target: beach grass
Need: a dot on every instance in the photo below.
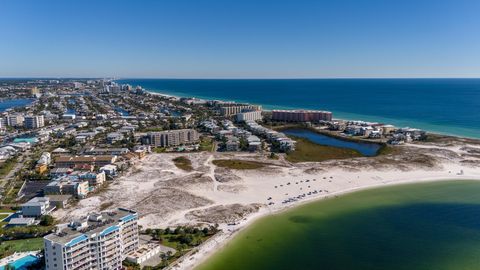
(105, 205)
(238, 164)
(183, 163)
(159, 150)
(308, 151)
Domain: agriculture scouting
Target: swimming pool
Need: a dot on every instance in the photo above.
(28, 140)
(22, 263)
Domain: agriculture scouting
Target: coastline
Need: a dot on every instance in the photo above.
(219, 242)
(434, 129)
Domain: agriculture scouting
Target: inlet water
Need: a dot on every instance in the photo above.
(366, 149)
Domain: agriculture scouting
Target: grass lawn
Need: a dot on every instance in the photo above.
(206, 144)
(7, 210)
(238, 164)
(308, 151)
(3, 216)
(183, 163)
(7, 166)
(9, 247)
(170, 240)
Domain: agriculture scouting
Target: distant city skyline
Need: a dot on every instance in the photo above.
(240, 39)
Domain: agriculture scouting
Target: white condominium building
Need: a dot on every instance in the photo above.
(15, 120)
(100, 242)
(170, 138)
(36, 121)
(249, 116)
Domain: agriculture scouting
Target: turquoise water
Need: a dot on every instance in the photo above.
(22, 263)
(367, 149)
(449, 106)
(429, 226)
(12, 103)
(32, 140)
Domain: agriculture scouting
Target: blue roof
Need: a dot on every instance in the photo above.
(76, 240)
(128, 218)
(109, 230)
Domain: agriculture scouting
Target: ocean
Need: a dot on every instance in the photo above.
(416, 226)
(447, 106)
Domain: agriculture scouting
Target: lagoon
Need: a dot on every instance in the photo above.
(12, 103)
(423, 226)
(366, 149)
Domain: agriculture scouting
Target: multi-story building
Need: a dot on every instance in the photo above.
(248, 116)
(73, 161)
(34, 121)
(170, 138)
(36, 207)
(301, 115)
(100, 242)
(229, 109)
(107, 151)
(67, 186)
(95, 180)
(15, 120)
(34, 91)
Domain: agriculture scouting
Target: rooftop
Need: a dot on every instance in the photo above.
(102, 223)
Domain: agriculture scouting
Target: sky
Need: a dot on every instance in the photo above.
(240, 39)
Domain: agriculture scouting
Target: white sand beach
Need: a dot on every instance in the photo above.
(165, 195)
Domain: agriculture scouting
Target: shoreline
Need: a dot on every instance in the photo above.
(272, 107)
(209, 249)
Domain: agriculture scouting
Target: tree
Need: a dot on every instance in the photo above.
(243, 144)
(47, 220)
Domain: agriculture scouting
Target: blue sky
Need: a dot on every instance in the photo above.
(240, 39)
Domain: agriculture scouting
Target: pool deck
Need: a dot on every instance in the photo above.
(16, 256)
